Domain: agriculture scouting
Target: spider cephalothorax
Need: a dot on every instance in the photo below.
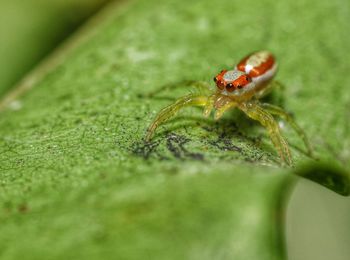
(241, 87)
(229, 81)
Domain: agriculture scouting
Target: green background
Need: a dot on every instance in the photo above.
(77, 180)
(31, 29)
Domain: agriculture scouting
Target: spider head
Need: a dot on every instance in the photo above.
(232, 82)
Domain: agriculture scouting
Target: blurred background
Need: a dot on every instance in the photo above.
(318, 225)
(318, 220)
(32, 29)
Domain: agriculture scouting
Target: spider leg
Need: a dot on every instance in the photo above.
(210, 104)
(200, 86)
(171, 110)
(256, 112)
(275, 110)
(221, 110)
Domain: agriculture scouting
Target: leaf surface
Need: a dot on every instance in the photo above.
(77, 175)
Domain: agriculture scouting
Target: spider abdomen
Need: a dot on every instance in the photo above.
(260, 66)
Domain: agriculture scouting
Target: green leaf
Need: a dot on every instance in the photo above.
(78, 181)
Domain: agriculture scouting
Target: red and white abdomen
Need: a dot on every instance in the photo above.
(260, 66)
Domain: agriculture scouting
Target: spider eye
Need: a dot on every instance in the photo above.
(230, 87)
(215, 79)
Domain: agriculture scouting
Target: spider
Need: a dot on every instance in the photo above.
(242, 88)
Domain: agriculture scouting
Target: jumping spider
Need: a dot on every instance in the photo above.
(242, 88)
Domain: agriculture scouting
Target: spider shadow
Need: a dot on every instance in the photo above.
(234, 124)
(220, 134)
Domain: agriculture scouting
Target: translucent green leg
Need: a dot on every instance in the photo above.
(201, 87)
(275, 110)
(220, 111)
(171, 110)
(210, 104)
(256, 112)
